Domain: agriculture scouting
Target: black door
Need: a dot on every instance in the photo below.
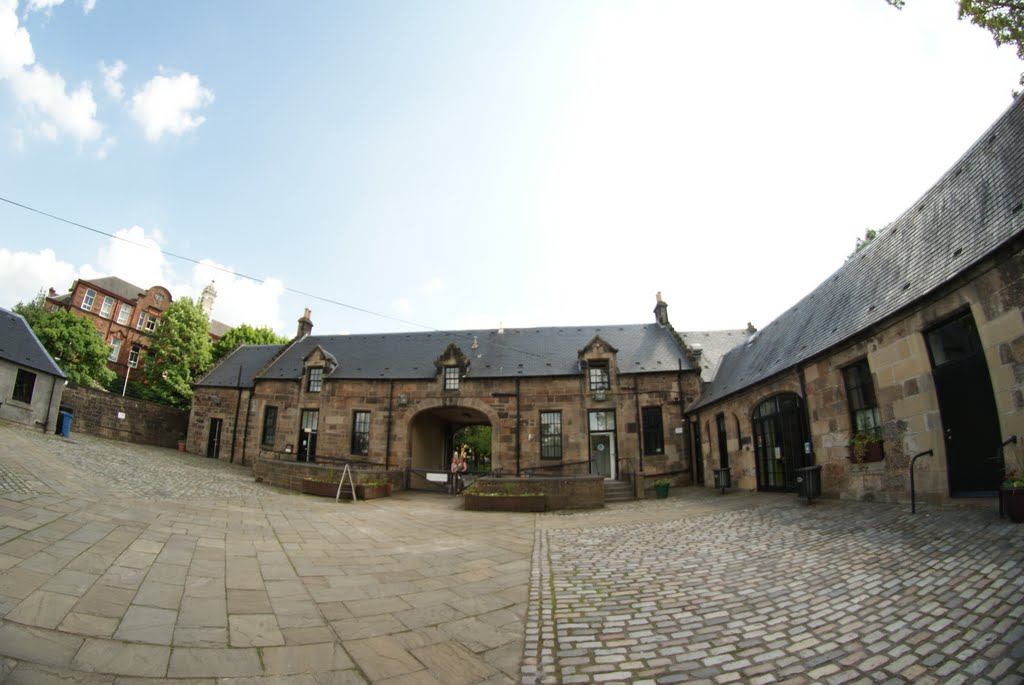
(779, 442)
(213, 442)
(723, 442)
(970, 422)
(309, 423)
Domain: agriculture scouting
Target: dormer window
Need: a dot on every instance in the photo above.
(316, 379)
(451, 378)
(598, 373)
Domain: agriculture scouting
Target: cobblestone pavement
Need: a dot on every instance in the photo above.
(125, 565)
(681, 591)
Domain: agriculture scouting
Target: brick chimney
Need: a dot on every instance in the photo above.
(305, 325)
(661, 311)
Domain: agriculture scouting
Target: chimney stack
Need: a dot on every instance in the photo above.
(661, 311)
(305, 325)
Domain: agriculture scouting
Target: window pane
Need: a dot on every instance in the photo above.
(361, 432)
(115, 349)
(125, 315)
(599, 376)
(24, 384)
(269, 425)
(602, 420)
(310, 419)
(451, 378)
(860, 398)
(654, 433)
(551, 435)
(107, 308)
(316, 376)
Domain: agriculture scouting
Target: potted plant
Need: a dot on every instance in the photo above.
(661, 487)
(371, 488)
(325, 485)
(181, 442)
(507, 498)
(1011, 493)
(866, 446)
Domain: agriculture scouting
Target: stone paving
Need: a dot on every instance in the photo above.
(129, 565)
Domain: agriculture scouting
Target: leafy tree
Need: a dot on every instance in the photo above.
(180, 352)
(1004, 19)
(869, 235)
(478, 440)
(72, 341)
(245, 335)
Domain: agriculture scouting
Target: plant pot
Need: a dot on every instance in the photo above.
(320, 488)
(372, 491)
(1013, 503)
(511, 503)
(867, 452)
(661, 490)
(181, 445)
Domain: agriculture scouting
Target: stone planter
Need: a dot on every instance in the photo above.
(511, 503)
(868, 452)
(320, 488)
(1013, 503)
(372, 491)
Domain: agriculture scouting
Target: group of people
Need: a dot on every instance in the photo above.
(459, 467)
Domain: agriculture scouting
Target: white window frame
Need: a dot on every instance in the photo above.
(115, 349)
(89, 300)
(107, 308)
(124, 316)
(133, 357)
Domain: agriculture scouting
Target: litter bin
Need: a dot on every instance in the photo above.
(723, 479)
(64, 424)
(808, 480)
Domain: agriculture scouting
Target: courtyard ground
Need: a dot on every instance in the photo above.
(128, 564)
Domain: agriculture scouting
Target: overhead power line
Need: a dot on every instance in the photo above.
(198, 262)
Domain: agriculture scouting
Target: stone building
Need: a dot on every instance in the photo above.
(916, 343)
(125, 315)
(598, 399)
(31, 383)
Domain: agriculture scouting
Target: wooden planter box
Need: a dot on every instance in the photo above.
(372, 491)
(320, 488)
(872, 451)
(520, 503)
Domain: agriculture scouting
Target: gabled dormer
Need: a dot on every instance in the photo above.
(316, 367)
(452, 366)
(597, 363)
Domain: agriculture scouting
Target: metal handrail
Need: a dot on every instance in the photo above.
(913, 503)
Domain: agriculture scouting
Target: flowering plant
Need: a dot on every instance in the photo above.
(1014, 476)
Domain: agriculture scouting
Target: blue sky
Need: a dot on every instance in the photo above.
(462, 165)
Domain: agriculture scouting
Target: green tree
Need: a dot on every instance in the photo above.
(869, 235)
(478, 440)
(245, 334)
(1004, 19)
(180, 352)
(72, 341)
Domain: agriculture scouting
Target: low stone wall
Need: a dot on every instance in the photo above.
(290, 474)
(122, 418)
(579, 492)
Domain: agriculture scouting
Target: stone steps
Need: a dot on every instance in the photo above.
(617, 491)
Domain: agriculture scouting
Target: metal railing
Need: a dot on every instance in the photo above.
(913, 494)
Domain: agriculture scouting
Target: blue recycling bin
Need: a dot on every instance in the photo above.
(64, 424)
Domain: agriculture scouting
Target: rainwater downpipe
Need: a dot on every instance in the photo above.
(238, 409)
(639, 425)
(519, 420)
(248, 415)
(387, 447)
(809, 445)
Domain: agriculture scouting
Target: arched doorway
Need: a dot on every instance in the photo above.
(779, 442)
(432, 437)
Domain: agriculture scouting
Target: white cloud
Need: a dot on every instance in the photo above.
(167, 104)
(434, 285)
(239, 300)
(112, 78)
(15, 44)
(42, 5)
(88, 6)
(402, 305)
(136, 258)
(24, 274)
(73, 114)
(43, 95)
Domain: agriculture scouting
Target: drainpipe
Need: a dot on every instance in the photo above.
(238, 408)
(639, 424)
(519, 421)
(248, 414)
(387, 449)
(809, 449)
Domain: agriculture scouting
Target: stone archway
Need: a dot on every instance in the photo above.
(431, 431)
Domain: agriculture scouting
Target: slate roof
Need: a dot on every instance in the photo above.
(239, 368)
(971, 211)
(19, 345)
(527, 352)
(117, 286)
(714, 345)
(218, 328)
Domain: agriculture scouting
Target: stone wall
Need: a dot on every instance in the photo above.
(122, 418)
(290, 474)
